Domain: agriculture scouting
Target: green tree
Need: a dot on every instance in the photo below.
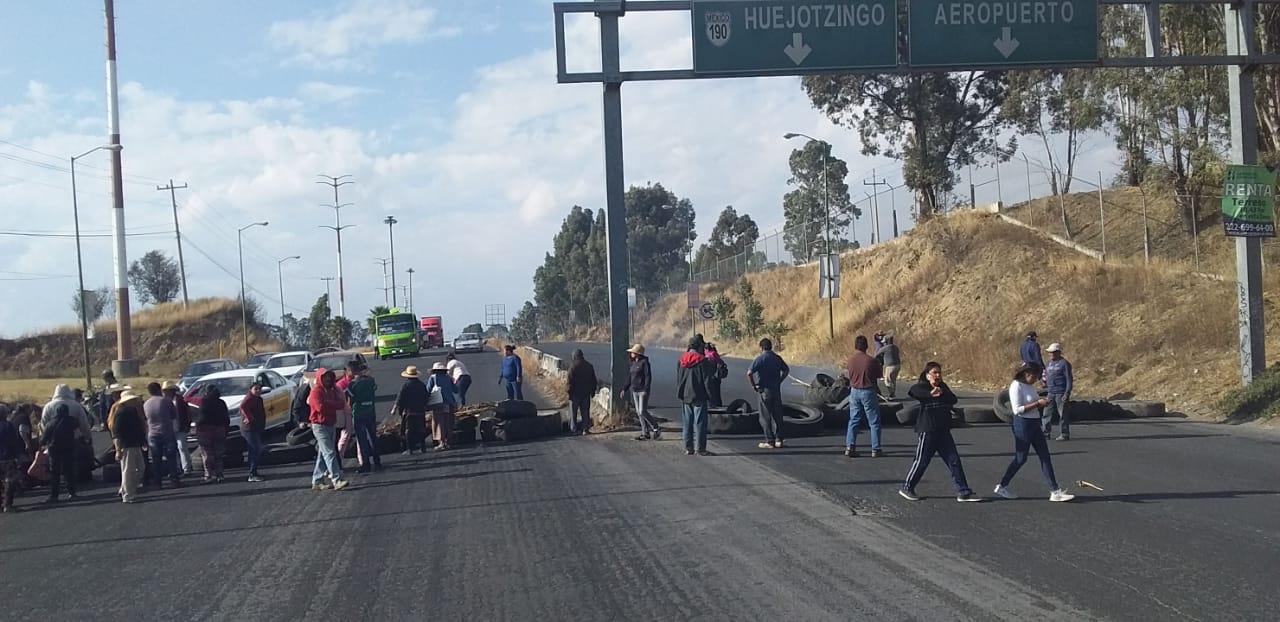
(734, 234)
(372, 322)
(1045, 104)
(474, 327)
(727, 327)
(100, 303)
(805, 207)
(752, 310)
(936, 123)
(524, 326)
(339, 331)
(155, 278)
(297, 334)
(660, 235)
(317, 323)
(551, 292)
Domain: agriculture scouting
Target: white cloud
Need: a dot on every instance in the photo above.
(328, 93)
(341, 39)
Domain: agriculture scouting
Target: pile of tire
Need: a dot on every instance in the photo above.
(801, 420)
(518, 420)
(285, 453)
(464, 430)
(825, 390)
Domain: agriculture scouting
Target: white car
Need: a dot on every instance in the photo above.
(289, 364)
(277, 394)
(468, 342)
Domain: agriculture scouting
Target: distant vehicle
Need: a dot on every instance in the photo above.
(258, 360)
(200, 369)
(336, 361)
(396, 334)
(468, 342)
(277, 393)
(326, 350)
(432, 332)
(289, 364)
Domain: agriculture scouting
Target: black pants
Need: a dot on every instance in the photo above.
(580, 415)
(941, 443)
(62, 465)
(771, 414)
(464, 383)
(714, 398)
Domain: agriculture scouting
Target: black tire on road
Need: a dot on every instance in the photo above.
(978, 414)
(823, 380)
(740, 406)
(299, 436)
(818, 395)
(801, 420)
(908, 413)
(552, 423)
(521, 429)
(720, 422)
(516, 409)
(1141, 409)
(489, 429)
(1001, 407)
(284, 453)
(834, 417)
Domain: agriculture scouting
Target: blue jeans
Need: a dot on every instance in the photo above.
(464, 383)
(863, 404)
(164, 457)
(253, 440)
(694, 426)
(366, 430)
(1028, 434)
(327, 454)
(514, 391)
(1057, 405)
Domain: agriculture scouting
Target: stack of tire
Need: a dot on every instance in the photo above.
(741, 417)
(519, 420)
(299, 446)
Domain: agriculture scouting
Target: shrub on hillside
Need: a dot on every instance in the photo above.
(776, 330)
(1260, 399)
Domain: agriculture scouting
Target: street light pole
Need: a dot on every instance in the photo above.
(826, 202)
(84, 311)
(280, 277)
(391, 236)
(244, 309)
(410, 300)
(337, 228)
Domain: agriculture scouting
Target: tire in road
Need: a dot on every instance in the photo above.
(978, 414)
(801, 420)
(521, 429)
(516, 409)
(552, 423)
(823, 380)
(1141, 409)
(489, 429)
(284, 453)
(740, 406)
(819, 395)
(1001, 407)
(908, 413)
(719, 421)
(299, 436)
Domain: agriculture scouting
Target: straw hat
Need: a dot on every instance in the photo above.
(438, 366)
(410, 372)
(1055, 347)
(169, 384)
(636, 349)
(118, 388)
(129, 395)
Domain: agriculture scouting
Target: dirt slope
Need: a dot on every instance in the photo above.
(964, 290)
(165, 338)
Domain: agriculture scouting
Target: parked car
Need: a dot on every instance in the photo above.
(200, 369)
(468, 342)
(277, 393)
(289, 364)
(337, 361)
(259, 360)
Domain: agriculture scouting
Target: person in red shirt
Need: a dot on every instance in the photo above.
(253, 422)
(326, 401)
(864, 399)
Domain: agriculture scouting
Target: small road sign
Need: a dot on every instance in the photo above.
(706, 311)
(793, 36)
(953, 33)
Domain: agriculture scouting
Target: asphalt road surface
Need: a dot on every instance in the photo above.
(604, 528)
(1185, 528)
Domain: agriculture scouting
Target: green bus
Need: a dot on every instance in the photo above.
(397, 334)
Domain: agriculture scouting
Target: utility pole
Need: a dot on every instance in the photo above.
(391, 221)
(337, 182)
(386, 298)
(125, 366)
(875, 204)
(410, 294)
(328, 299)
(177, 234)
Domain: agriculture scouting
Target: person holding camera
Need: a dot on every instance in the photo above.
(1028, 433)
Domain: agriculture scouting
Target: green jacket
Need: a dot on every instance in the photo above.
(362, 392)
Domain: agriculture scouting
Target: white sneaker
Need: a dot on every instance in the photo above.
(339, 484)
(1005, 492)
(1061, 495)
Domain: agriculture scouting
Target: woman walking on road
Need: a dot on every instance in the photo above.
(1027, 433)
(933, 424)
(582, 387)
(212, 420)
(411, 405)
(442, 399)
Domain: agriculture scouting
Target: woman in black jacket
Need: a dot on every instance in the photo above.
(582, 386)
(933, 424)
(211, 421)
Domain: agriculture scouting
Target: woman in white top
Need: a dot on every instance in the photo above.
(1028, 434)
(461, 377)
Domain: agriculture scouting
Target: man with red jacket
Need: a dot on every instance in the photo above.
(691, 390)
(326, 401)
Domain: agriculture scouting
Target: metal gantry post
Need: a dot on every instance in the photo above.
(615, 209)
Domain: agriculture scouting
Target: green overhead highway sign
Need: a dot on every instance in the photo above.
(956, 33)
(786, 37)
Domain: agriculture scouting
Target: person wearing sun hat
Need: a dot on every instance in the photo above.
(442, 400)
(129, 435)
(1058, 380)
(640, 382)
(411, 405)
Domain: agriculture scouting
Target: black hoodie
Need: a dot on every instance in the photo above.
(935, 412)
(691, 378)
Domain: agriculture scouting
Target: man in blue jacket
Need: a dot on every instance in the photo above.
(512, 374)
(1031, 351)
(1058, 380)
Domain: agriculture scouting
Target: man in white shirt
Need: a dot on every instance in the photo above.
(461, 377)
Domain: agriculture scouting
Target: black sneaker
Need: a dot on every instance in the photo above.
(876, 453)
(703, 452)
(849, 452)
(688, 452)
(642, 437)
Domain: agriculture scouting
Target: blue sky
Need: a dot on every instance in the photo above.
(446, 114)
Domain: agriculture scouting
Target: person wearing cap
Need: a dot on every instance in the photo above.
(691, 390)
(361, 393)
(326, 402)
(212, 421)
(411, 405)
(1030, 351)
(461, 377)
(1058, 380)
(129, 435)
(1027, 434)
(639, 382)
(512, 374)
(182, 426)
(442, 399)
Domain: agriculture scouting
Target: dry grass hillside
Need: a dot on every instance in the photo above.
(964, 290)
(165, 338)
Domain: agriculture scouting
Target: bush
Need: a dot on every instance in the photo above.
(776, 330)
(1260, 399)
(752, 310)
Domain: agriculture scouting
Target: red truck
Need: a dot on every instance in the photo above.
(433, 332)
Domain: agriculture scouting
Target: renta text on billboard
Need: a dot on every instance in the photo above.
(1249, 201)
